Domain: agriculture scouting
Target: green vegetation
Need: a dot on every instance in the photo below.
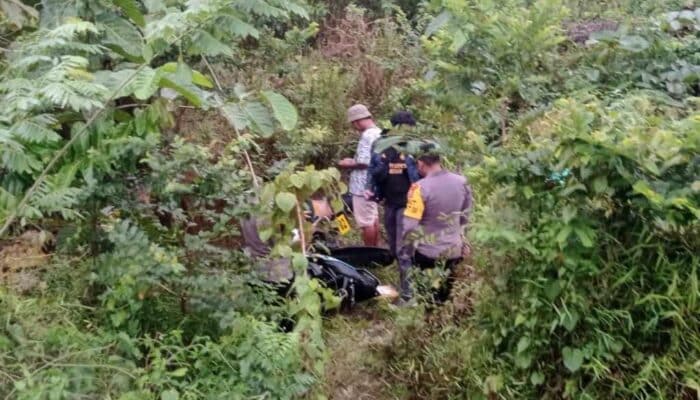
(134, 135)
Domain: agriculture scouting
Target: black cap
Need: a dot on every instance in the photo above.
(403, 118)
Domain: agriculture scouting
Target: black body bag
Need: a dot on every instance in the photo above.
(363, 256)
(349, 283)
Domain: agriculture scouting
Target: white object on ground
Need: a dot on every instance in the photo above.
(387, 292)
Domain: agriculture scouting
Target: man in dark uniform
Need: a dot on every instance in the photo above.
(389, 176)
(434, 221)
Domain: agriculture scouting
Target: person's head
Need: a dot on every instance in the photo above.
(429, 160)
(360, 118)
(404, 118)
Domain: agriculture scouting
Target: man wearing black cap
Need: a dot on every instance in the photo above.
(390, 174)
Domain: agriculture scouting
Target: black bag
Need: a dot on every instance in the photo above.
(363, 256)
(349, 283)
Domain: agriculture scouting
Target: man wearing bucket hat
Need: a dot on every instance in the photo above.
(364, 210)
(437, 207)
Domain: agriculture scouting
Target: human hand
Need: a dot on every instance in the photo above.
(346, 162)
(466, 249)
(368, 194)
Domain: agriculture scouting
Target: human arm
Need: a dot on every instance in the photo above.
(351, 164)
(412, 169)
(467, 203)
(362, 156)
(377, 170)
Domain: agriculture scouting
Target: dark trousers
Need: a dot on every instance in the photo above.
(393, 224)
(423, 262)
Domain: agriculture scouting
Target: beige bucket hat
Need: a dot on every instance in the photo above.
(357, 112)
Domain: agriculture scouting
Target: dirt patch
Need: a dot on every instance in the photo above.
(363, 343)
(356, 342)
(21, 260)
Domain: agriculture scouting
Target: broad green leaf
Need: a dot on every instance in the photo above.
(183, 73)
(297, 181)
(438, 22)
(265, 234)
(130, 8)
(687, 16)
(170, 394)
(459, 39)
(235, 116)
(284, 111)
(285, 201)
(198, 78)
(299, 262)
(569, 320)
(563, 235)
(314, 181)
(189, 92)
(552, 290)
(634, 43)
(284, 250)
(644, 189)
(179, 373)
(523, 360)
(154, 6)
(600, 184)
(145, 83)
(573, 358)
(202, 42)
(537, 378)
(571, 189)
(260, 117)
(568, 213)
(121, 36)
(523, 344)
(586, 236)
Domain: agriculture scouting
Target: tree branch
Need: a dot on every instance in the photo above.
(246, 155)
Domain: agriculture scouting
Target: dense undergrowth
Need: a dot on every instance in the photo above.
(134, 135)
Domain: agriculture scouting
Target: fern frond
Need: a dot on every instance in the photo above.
(55, 12)
(73, 95)
(202, 42)
(61, 46)
(35, 129)
(167, 28)
(71, 29)
(232, 23)
(8, 206)
(14, 157)
(260, 8)
(30, 61)
(49, 199)
(292, 7)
